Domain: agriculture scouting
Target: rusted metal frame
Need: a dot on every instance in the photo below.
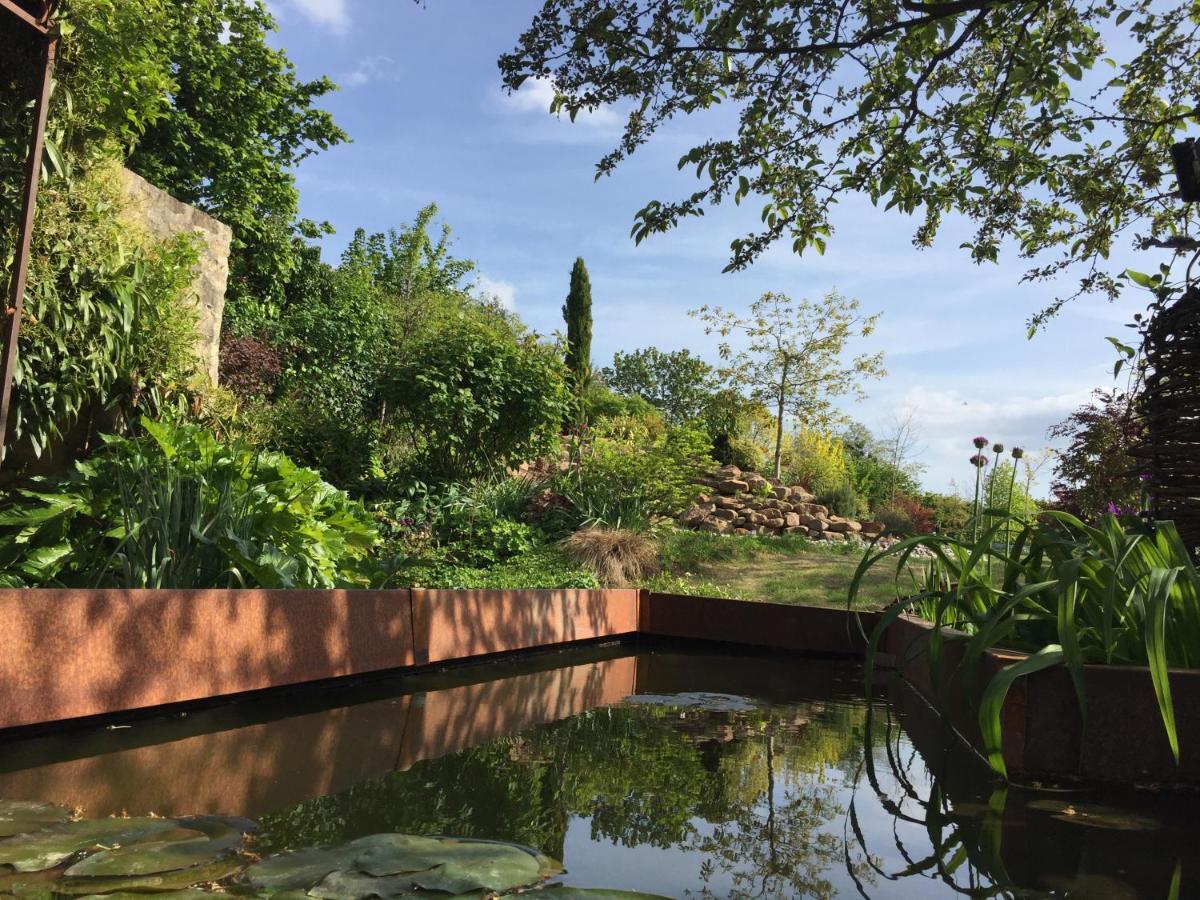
(39, 23)
(16, 296)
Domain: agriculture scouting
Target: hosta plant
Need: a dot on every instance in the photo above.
(177, 508)
(1120, 592)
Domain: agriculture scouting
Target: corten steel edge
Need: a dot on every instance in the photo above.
(37, 16)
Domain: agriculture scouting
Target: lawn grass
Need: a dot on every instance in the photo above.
(784, 569)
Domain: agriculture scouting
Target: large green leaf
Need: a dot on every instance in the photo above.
(23, 816)
(992, 701)
(51, 846)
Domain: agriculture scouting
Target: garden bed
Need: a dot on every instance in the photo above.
(1042, 731)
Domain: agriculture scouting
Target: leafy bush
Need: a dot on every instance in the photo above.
(951, 513)
(1120, 593)
(250, 367)
(816, 460)
(600, 403)
(906, 516)
(175, 508)
(843, 501)
(630, 471)
(618, 557)
(1098, 467)
(541, 567)
(473, 400)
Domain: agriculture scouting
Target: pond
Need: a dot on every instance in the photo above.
(663, 770)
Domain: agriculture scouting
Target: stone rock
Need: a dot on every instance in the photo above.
(164, 217)
(842, 528)
(724, 515)
(782, 493)
(723, 502)
(726, 472)
(717, 526)
(756, 481)
(794, 530)
(832, 536)
(873, 529)
(791, 520)
(813, 523)
(732, 486)
(741, 531)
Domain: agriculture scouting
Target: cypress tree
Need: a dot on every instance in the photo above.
(577, 312)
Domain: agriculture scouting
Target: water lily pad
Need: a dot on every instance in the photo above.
(452, 865)
(186, 894)
(156, 883)
(47, 848)
(300, 869)
(222, 836)
(358, 886)
(24, 816)
(562, 892)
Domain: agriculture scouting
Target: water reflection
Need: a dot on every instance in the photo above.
(680, 774)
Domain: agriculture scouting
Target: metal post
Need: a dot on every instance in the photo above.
(16, 294)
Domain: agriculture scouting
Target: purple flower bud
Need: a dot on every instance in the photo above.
(1145, 476)
(1017, 452)
(997, 448)
(980, 442)
(979, 460)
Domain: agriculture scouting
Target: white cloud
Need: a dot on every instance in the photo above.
(371, 68)
(332, 14)
(536, 95)
(503, 292)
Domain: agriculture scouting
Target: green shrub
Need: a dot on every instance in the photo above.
(816, 460)
(542, 567)
(475, 400)
(843, 501)
(176, 508)
(951, 514)
(629, 471)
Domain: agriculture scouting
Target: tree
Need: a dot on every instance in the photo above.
(680, 384)
(237, 122)
(577, 312)
(996, 110)
(793, 355)
(1097, 471)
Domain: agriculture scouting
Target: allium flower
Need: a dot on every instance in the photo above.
(980, 442)
(997, 448)
(1145, 476)
(1017, 452)
(1115, 510)
(979, 461)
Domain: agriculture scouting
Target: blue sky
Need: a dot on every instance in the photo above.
(421, 99)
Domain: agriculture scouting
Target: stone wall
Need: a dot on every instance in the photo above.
(165, 217)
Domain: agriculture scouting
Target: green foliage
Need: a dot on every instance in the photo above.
(906, 515)
(599, 403)
(577, 313)
(175, 508)
(237, 122)
(1097, 467)
(1005, 493)
(1119, 593)
(107, 315)
(473, 400)
(877, 480)
(951, 513)
(792, 359)
(817, 460)
(843, 501)
(628, 472)
(1048, 126)
(540, 567)
(679, 384)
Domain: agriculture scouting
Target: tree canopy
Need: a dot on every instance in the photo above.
(1046, 123)
(679, 383)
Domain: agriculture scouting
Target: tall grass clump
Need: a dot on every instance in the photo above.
(617, 556)
(1121, 592)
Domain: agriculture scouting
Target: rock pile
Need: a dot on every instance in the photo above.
(737, 502)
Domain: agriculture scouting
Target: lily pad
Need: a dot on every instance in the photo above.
(452, 865)
(222, 835)
(156, 883)
(357, 886)
(24, 816)
(300, 869)
(47, 848)
(563, 892)
(186, 894)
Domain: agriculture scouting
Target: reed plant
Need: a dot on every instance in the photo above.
(1120, 592)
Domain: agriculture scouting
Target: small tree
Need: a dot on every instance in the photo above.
(793, 356)
(679, 384)
(577, 312)
(1098, 471)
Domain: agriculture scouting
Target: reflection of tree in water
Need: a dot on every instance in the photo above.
(749, 787)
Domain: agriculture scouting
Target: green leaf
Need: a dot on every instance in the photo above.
(992, 701)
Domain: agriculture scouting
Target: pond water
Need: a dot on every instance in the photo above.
(666, 771)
